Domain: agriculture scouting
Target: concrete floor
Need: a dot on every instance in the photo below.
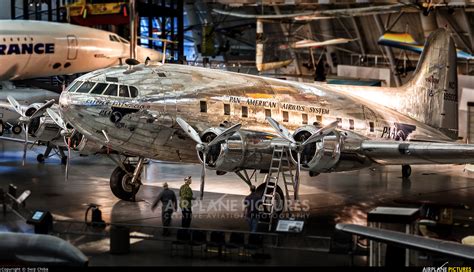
(333, 198)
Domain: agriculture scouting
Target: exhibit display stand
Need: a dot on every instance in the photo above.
(396, 219)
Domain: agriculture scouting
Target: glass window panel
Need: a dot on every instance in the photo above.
(133, 91)
(74, 86)
(245, 111)
(227, 109)
(123, 91)
(86, 87)
(111, 90)
(99, 88)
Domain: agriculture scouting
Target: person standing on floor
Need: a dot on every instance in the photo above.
(168, 205)
(185, 202)
(252, 213)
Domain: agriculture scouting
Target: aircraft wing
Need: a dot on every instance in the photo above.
(7, 106)
(391, 152)
(322, 14)
(311, 43)
(411, 241)
(16, 140)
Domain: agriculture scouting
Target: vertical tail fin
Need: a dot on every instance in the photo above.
(431, 95)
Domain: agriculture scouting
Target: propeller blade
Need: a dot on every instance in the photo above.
(297, 175)
(203, 174)
(68, 157)
(42, 109)
(321, 133)
(15, 105)
(26, 143)
(56, 118)
(225, 134)
(281, 130)
(189, 130)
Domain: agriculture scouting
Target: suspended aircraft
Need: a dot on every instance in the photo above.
(31, 49)
(405, 41)
(235, 122)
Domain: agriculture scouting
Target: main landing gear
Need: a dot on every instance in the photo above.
(406, 171)
(47, 153)
(125, 179)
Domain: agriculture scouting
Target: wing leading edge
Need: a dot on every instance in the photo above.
(390, 152)
(411, 241)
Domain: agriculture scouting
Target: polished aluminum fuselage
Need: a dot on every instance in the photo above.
(208, 98)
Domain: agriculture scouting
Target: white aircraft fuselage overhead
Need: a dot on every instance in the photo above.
(161, 112)
(30, 49)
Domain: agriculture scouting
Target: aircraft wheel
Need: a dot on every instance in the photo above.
(120, 184)
(16, 129)
(279, 199)
(40, 158)
(64, 160)
(406, 171)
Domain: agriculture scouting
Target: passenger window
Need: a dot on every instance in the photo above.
(245, 111)
(268, 113)
(339, 124)
(99, 88)
(351, 124)
(371, 125)
(203, 106)
(74, 86)
(226, 109)
(319, 118)
(304, 118)
(285, 116)
(111, 90)
(133, 91)
(86, 87)
(123, 91)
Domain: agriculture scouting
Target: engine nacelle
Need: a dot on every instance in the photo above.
(44, 129)
(87, 147)
(321, 156)
(243, 150)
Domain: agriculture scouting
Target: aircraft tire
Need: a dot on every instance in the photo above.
(40, 158)
(16, 129)
(119, 186)
(279, 199)
(406, 171)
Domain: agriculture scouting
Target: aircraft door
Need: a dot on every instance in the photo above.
(71, 47)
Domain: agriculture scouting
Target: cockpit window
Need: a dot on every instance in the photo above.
(99, 88)
(111, 90)
(133, 91)
(113, 38)
(123, 91)
(72, 88)
(123, 40)
(86, 87)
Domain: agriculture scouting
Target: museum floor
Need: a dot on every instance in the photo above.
(333, 198)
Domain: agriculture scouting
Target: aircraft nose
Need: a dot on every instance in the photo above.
(64, 101)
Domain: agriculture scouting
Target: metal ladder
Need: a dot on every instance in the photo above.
(280, 168)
